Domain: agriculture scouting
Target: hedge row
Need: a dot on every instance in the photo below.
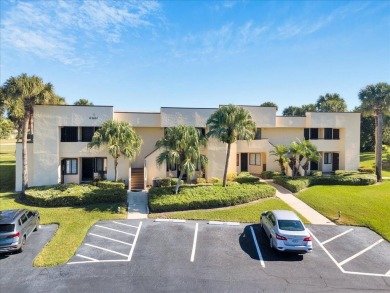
(162, 199)
(246, 177)
(166, 182)
(74, 194)
(295, 185)
(269, 174)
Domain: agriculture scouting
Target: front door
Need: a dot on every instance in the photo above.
(63, 171)
(244, 162)
(87, 169)
(336, 159)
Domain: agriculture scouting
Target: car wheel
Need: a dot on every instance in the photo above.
(23, 244)
(271, 243)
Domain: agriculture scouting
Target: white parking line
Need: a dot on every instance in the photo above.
(105, 249)
(134, 242)
(119, 231)
(128, 225)
(257, 248)
(337, 236)
(194, 244)
(104, 237)
(360, 253)
(326, 251)
(388, 273)
(99, 261)
(86, 257)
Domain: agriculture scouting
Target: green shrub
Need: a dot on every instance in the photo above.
(105, 184)
(316, 173)
(246, 177)
(294, 185)
(346, 172)
(354, 179)
(231, 176)
(214, 180)
(73, 195)
(164, 182)
(205, 197)
(269, 174)
(200, 180)
(366, 170)
(174, 181)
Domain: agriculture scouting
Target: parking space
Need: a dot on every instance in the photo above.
(354, 250)
(108, 241)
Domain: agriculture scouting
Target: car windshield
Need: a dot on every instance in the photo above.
(291, 225)
(7, 228)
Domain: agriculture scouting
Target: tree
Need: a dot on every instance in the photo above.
(83, 102)
(293, 111)
(280, 152)
(22, 93)
(269, 104)
(120, 139)
(294, 152)
(226, 124)
(375, 100)
(6, 127)
(331, 103)
(182, 146)
(307, 153)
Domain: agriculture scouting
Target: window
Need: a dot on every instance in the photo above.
(201, 130)
(100, 164)
(306, 133)
(70, 166)
(171, 167)
(258, 134)
(336, 133)
(87, 133)
(254, 159)
(328, 133)
(69, 134)
(313, 166)
(327, 158)
(238, 160)
(313, 133)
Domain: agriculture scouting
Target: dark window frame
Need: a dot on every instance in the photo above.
(256, 163)
(258, 134)
(71, 166)
(328, 158)
(328, 133)
(336, 133)
(69, 134)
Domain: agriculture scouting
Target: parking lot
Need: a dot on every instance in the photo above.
(233, 252)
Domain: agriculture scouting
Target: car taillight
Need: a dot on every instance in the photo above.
(14, 235)
(280, 237)
(307, 238)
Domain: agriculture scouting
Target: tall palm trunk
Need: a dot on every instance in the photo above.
(116, 169)
(178, 182)
(226, 165)
(378, 144)
(24, 152)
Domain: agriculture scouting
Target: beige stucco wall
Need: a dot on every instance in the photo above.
(196, 117)
(262, 116)
(282, 135)
(149, 136)
(139, 119)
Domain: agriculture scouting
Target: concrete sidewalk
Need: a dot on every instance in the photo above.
(137, 205)
(309, 213)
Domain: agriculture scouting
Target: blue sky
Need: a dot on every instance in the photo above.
(140, 56)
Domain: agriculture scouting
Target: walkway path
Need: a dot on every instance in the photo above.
(309, 213)
(137, 205)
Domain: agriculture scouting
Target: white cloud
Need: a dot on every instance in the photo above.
(226, 40)
(55, 29)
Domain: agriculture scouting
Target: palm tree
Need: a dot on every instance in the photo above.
(375, 100)
(21, 94)
(294, 153)
(182, 146)
(83, 102)
(226, 124)
(331, 103)
(120, 139)
(308, 152)
(280, 152)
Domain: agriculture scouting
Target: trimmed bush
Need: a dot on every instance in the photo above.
(73, 195)
(246, 177)
(174, 181)
(346, 172)
(366, 170)
(231, 176)
(105, 184)
(269, 174)
(206, 197)
(294, 185)
(201, 180)
(354, 179)
(163, 182)
(214, 180)
(316, 173)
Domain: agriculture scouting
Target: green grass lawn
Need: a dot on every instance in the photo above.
(247, 213)
(367, 206)
(73, 222)
(368, 160)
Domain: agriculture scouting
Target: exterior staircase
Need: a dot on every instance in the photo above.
(137, 179)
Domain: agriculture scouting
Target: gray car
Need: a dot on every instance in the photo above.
(285, 231)
(15, 227)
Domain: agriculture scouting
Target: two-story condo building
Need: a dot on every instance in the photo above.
(59, 153)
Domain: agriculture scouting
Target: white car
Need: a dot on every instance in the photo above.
(286, 232)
